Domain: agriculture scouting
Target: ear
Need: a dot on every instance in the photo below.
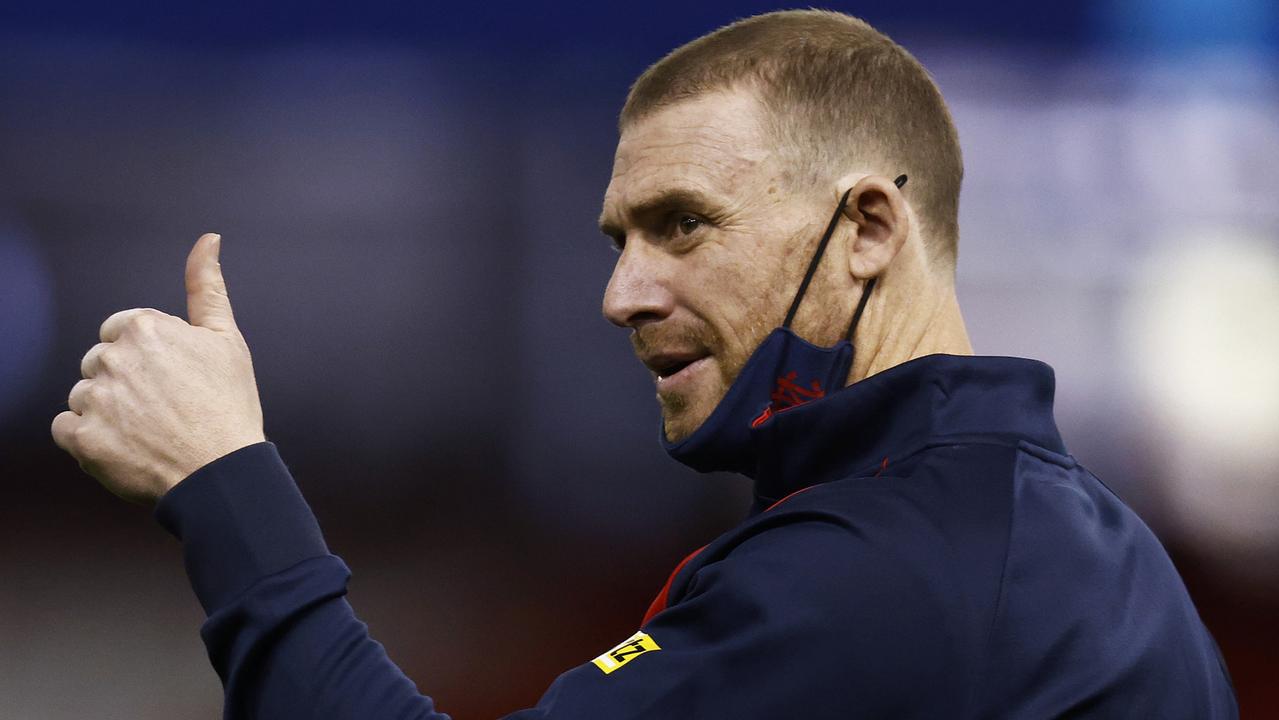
(877, 212)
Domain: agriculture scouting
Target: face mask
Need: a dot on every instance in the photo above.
(784, 372)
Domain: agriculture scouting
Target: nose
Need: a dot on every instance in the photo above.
(636, 293)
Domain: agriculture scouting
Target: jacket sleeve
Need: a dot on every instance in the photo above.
(279, 632)
(806, 618)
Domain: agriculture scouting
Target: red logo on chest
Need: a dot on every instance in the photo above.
(788, 394)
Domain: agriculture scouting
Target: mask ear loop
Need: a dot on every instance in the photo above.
(870, 284)
(817, 258)
(861, 305)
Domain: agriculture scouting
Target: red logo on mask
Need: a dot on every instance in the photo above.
(789, 394)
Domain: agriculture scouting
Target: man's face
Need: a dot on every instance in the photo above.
(712, 247)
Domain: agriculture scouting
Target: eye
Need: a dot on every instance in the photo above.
(688, 223)
(619, 242)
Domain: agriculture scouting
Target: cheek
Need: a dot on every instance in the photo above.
(742, 298)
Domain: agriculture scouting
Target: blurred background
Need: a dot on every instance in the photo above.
(407, 195)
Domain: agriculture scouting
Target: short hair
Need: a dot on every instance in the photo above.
(837, 94)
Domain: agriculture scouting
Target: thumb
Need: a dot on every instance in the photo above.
(207, 302)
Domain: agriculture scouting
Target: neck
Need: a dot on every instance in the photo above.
(909, 315)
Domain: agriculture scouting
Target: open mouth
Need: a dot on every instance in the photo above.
(672, 373)
(672, 369)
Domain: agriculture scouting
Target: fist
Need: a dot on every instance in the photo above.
(162, 397)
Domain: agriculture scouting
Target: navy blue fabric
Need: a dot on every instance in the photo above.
(949, 559)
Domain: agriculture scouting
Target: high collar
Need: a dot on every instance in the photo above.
(894, 413)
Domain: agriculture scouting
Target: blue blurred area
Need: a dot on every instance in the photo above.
(26, 315)
(1173, 26)
(545, 28)
(408, 193)
(507, 28)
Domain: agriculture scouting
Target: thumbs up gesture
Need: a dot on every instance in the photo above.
(161, 397)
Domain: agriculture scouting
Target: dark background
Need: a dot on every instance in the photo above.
(407, 195)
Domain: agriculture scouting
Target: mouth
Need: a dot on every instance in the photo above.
(668, 369)
(673, 370)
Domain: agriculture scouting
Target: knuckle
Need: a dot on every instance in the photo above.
(87, 442)
(80, 437)
(110, 319)
(58, 428)
(95, 393)
(106, 357)
(148, 324)
(142, 323)
(103, 356)
(77, 393)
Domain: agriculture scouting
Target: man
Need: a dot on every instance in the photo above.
(922, 545)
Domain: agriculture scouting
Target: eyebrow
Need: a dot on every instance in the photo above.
(665, 200)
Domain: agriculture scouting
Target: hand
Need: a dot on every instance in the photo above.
(162, 397)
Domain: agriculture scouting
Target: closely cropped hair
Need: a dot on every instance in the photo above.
(839, 96)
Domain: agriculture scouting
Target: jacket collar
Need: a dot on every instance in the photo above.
(892, 414)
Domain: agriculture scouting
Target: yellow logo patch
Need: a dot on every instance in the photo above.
(629, 649)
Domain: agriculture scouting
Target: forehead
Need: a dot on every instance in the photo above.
(712, 144)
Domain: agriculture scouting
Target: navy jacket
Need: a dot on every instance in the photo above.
(921, 546)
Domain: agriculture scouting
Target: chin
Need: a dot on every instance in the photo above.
(684, 410)
(678, 424)
(673, 433)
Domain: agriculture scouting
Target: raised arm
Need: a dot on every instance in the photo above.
(280, 632)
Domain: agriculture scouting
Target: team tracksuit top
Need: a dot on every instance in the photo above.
(921, 545)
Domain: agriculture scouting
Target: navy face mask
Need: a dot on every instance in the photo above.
(784, 372)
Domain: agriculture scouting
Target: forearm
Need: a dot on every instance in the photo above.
(280, 632)
(292, 647)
